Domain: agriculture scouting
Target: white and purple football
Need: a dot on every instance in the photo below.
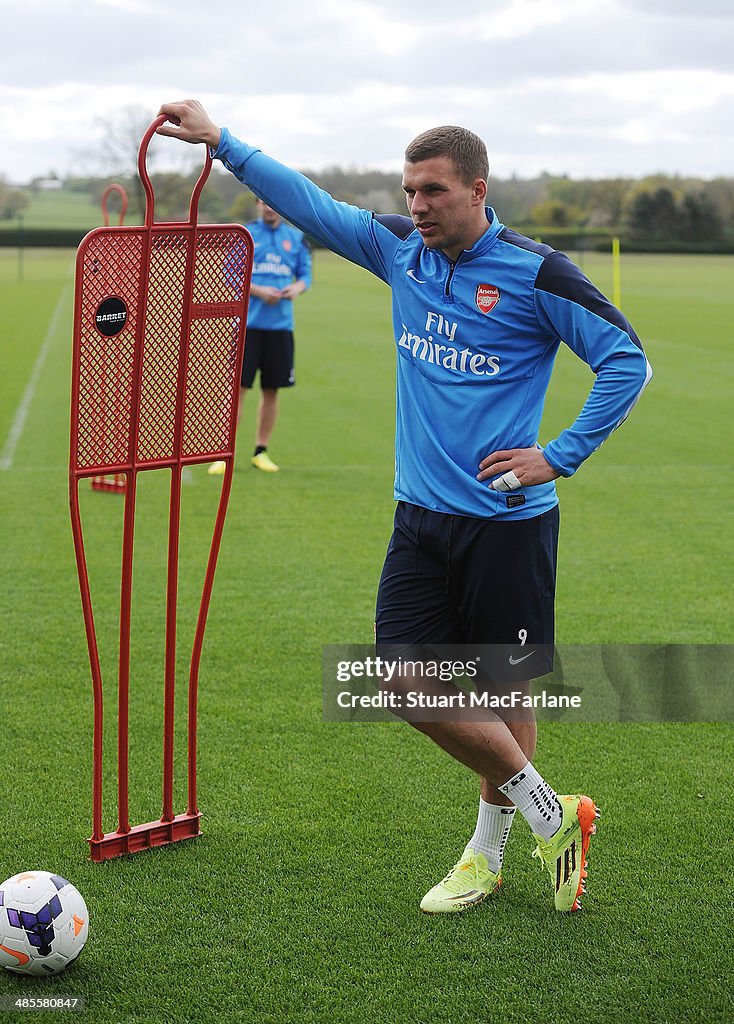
(43, 923)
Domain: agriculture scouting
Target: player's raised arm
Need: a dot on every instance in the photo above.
(189, 122)
(347, 230)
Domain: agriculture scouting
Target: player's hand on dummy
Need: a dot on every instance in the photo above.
(516, 467)
(190, 123)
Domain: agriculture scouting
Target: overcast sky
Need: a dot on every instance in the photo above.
(584, 87)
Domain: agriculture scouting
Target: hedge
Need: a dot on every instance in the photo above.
(559, 238)
(42, 238)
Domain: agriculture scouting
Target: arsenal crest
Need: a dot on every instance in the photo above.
(487, 297)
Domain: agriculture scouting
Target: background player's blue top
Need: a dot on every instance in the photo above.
(475, 342)
(282, 256)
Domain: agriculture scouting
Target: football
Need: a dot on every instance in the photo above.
(43, 923)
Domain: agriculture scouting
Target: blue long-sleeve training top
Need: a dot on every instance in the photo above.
(475, 342)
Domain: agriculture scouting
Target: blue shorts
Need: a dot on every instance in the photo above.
(451, 580)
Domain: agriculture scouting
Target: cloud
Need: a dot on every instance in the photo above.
(555, 86)
(681, 8)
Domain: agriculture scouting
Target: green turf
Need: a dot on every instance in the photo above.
(63, 209)
(299, 904)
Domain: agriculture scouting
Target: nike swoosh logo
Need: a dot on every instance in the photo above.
(22, 958)
(411, 273)
(516, 661)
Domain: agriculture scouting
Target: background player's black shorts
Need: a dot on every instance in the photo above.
(270, 352)
(451, 580)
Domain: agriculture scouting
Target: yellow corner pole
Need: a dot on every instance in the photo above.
(616, 274)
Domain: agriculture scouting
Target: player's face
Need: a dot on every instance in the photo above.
(448, 213)
(271, 218)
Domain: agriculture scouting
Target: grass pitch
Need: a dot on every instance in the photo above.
(299, 903)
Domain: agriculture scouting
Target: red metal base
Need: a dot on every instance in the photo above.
(145, 837)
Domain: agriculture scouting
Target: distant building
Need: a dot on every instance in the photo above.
(47, 184)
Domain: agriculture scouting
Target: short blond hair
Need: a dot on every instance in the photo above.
(465, 149)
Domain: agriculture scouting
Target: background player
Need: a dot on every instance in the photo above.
(280, 272)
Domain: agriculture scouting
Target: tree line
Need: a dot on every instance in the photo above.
(659, 212)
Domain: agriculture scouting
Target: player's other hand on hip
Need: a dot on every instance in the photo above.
(515, 468)
(189, 122)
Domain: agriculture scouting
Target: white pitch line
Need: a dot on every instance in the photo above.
(21, 413)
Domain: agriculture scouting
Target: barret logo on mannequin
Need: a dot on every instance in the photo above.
(111, 316)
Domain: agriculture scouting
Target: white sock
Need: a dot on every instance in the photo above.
(535, 800)
(493, 827)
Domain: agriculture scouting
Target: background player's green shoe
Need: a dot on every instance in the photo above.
(264, 462)
(466, 885)
(564, 854)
